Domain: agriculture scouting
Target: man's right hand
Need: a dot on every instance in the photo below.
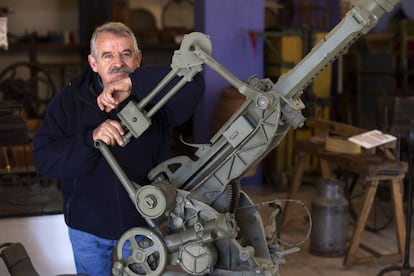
(109, 132)
(113, 94)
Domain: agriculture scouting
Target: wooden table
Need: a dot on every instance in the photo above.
(370, 167)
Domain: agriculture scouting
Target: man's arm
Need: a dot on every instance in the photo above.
(114, 94)
(62, 149)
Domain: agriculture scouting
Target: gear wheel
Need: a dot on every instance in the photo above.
(229, 199)
(142, 252)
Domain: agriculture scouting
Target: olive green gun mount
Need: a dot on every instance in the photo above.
(198, 217)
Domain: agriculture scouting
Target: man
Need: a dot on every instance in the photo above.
(97, 208)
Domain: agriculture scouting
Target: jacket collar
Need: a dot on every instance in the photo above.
(86, 85)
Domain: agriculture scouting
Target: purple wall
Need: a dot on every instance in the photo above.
(229, 24)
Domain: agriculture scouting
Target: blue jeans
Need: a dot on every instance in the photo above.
(92, 254)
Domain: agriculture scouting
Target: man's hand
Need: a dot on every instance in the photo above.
(109, 132)
(113, 94)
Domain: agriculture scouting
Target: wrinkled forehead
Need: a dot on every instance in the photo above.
(114, 43)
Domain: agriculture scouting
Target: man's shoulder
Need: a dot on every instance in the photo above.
(76, 85)
(79, 82)
(86, 75)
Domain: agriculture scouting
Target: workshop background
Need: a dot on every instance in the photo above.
(44, 43)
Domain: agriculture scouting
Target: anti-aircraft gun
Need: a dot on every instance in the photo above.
(198, 216)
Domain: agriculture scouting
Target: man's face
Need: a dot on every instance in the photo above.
(115, 57)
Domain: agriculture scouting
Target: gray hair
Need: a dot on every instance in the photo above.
(116, 28)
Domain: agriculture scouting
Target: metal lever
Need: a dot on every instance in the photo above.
(116, 168)
(184, 64)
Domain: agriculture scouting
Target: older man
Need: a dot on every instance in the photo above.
(97, 209)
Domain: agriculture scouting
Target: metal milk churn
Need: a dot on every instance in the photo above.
(329, 219)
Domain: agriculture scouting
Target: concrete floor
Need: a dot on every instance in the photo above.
(305, 263)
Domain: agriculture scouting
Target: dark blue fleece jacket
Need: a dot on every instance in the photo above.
(94, 199)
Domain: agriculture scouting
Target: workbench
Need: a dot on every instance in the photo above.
(369, 166)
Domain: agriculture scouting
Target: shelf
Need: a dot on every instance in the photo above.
(44, 47)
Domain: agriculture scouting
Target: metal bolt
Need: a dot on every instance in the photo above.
(262, 102)
(150, 202)
(198, 227)
(179, 199)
